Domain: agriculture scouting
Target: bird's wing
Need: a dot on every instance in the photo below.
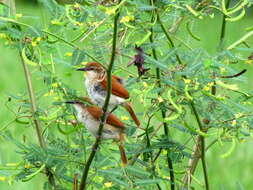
(97, 112)
(117, 87)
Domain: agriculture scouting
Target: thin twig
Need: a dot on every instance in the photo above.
(201, 144)
(34, 112)
(165, 125)
(168, 36)
(105, 107)
(75, 182)
(33, 102)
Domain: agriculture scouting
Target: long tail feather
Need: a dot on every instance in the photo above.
(122, 149)
(129, 108)
(123, 155)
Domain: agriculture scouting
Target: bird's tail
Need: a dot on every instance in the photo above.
(129, 108)
(123, 155)
(122, 150)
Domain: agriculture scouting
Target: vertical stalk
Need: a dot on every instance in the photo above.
(105, 107)
(163, 112)
(167, 36)
(223, 25)
(202, 145)
(33, 103)
(34, 112)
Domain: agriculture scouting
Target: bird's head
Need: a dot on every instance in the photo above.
(81, 103)
(93, 70)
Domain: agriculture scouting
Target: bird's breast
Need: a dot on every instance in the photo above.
(97, 94)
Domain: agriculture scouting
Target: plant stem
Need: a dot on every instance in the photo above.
(33, 103)
(168, 37)
(223, 26)
(166, 130)
(105, 107)
(201, 144)
(34, 112)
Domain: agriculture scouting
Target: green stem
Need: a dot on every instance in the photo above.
(202, 144)
(70, 44)
(223, 26)
(105, 107)
(166, 130)
(168, 36)
(34, 112)
(33, 103)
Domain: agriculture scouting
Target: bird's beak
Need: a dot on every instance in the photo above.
(83, 69)
(71, 102)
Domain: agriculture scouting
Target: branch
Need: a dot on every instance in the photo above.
(166, 129)
(168, 36)
(199, 152)
(33, 102)
(34, 112)
(105, 107)
(223, 26)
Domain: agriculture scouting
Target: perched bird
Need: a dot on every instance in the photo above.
(96, 84)
(90, 115)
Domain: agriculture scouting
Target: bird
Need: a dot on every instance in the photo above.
(96, 85)
(89, 115)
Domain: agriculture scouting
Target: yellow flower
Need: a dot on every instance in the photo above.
(69, 54)
(27, 166)
(56, 22)
(110, 11)
(160, 99)
(187, 81)
(249, 62)
(2, 178)
(124, 118)
(233, 122)
(78, 23)
(18, 15)
(206, 88)
(38, 39)
(50, 93)
(126, 19)
(77, 5)
(108, 184)
(3, 36)
(55, 85)
(34, 43)
(145, 84)
(57, 98)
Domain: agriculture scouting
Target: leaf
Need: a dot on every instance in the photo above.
(146, 8)
(140, 42)
(26, 60)
(231, 149)
(227, 86)
(118, 181)
(77, 57)
(143, 182)
(136, 171)
(154, 62)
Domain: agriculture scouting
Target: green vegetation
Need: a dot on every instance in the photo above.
(53, 63)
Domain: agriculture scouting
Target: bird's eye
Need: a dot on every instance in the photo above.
(90, 69)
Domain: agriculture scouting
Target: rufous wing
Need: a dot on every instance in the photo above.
(97, 112)
(117, 87)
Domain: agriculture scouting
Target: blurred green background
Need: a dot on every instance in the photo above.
(233, 172)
